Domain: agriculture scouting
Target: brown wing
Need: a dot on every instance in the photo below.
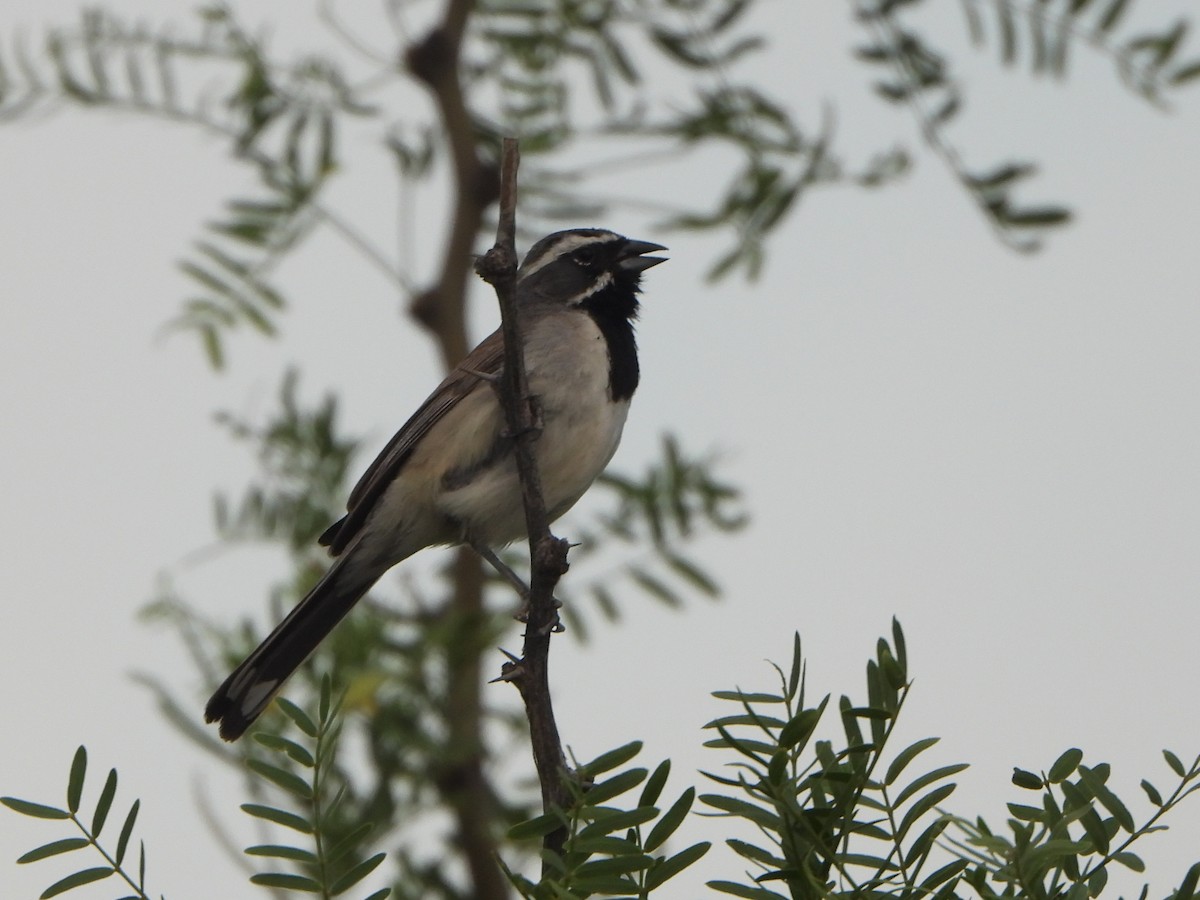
(487, 359)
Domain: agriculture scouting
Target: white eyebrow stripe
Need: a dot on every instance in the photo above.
(567, 244)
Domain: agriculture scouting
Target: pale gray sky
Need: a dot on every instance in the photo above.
(1000, 450)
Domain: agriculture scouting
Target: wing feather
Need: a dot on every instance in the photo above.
(486, 359)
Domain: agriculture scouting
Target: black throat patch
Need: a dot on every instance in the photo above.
(613, 309)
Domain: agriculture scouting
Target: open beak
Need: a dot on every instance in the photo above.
(632, 259)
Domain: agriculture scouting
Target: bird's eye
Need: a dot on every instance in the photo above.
(585, 257)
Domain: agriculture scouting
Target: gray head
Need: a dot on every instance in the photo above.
(582, 264)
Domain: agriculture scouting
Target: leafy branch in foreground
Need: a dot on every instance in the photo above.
(1063, 847)
(846, 820)
(610, 850)
(91, 833)
(302, 770)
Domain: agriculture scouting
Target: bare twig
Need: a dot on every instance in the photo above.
(547, 553)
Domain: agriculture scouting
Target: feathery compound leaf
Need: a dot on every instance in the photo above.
(36, 810)
(53, 849)
(87, 876)
(104, 804)
(75, 779)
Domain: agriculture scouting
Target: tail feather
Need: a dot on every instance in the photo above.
(249, 688)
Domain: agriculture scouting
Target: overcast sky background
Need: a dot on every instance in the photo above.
(1000, 450)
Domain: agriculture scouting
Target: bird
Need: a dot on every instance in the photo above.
(448, 476)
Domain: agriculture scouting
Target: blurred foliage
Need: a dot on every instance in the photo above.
(582, 83)
(847, 819)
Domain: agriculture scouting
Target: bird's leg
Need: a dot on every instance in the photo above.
(514, 579)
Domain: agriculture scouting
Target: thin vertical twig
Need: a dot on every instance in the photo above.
(547, 553)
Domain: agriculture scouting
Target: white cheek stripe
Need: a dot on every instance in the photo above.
(599, 284)
(566, 244)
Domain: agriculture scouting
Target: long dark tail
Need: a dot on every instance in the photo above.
(248, 690)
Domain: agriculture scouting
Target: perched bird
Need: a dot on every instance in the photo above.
(448, 476)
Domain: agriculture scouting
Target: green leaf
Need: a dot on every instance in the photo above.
(297, 715)
(348, 842)
(279, 851)
(381, 894)
(673, 865)
(1023, 778)
(613, 787)
(1113, 14)
(747, 697)
(87, 876)
(749, 811)
(127, 830)
(741, 890)
(611, 759)
(1130, 861)
(278, 816)
(1152, 793)
(537, 827)
(870, 712)
(670, 820)
(1184, 74)
(927, 779)
(1187, 887)
(357, 874)
(1065, 765)
(280, 744)
(923, 806)
(655, 587)
(75, 780)
(1174, 763)
(654, 784)
(905, 756)
(53, 849)
(289, 781)
(692, 574)
(37, 810)
(617, 820)
(1107, 799)
(104, 804)
(286, 881)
